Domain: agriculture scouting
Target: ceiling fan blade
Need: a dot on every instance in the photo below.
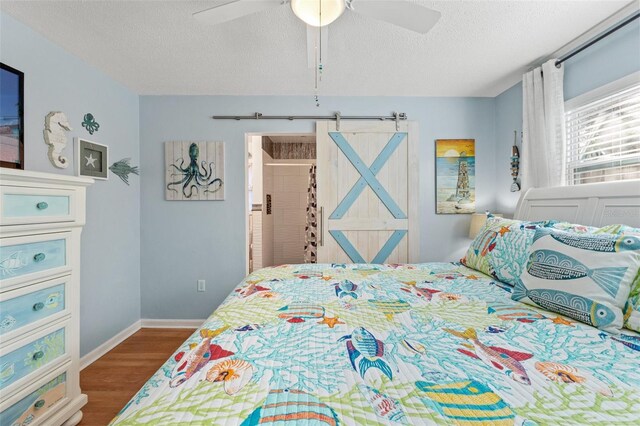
(314, 38)
(234, 9)
(404, 14)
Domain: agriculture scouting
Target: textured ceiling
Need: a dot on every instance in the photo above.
(478, 48)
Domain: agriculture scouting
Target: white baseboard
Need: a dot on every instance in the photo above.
(92, 356)
(171, 323)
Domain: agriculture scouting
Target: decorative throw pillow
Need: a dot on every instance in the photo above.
(632, 308)
(586, 277)
(500, 248)
(571, 227)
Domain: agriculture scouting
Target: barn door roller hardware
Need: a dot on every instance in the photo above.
(395, 116)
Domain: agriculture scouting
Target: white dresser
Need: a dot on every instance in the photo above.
(41, 218)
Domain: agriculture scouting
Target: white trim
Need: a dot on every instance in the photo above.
(101, 350)
(602, 91)
(43, 180)
(171, 323)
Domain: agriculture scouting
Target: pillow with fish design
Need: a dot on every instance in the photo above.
(500, 248)
(632, 308)
(586, 276)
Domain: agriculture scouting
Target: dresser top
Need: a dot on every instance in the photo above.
(39, 177)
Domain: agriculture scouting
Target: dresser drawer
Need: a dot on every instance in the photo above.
(22, 205)
(18, 361)
(33, 257)
(29, 307)
(36, 404)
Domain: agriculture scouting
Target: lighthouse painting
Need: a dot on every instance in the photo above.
(455, 176)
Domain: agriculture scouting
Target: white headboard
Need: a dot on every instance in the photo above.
(594, 204)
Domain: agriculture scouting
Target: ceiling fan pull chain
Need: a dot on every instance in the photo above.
(319, 54)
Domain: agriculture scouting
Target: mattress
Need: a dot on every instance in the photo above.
(423, 344)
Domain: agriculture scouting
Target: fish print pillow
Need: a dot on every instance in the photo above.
(586, 277)
(500, 248)
(632, 308)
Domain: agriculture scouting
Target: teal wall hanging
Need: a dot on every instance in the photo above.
(90, 123)
(122, 169)
(515, 163)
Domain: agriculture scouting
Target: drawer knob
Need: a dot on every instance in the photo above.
(38, 355)
(38, 306)
(42, 205)
(39, 404)
(39, 257)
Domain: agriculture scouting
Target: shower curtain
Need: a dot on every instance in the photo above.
(310, 230)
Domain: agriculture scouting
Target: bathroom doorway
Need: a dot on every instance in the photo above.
(281, 199)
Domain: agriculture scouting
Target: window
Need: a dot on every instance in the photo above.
(603, 133)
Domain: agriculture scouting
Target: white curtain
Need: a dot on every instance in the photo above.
(543, 160)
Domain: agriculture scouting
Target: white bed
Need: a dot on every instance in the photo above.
(286, 347)
(596, 204)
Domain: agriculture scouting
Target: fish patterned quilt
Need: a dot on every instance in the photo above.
(424, 344)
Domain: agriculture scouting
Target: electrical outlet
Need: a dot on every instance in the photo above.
(201, 285)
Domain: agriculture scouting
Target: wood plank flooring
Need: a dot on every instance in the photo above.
(114, 378)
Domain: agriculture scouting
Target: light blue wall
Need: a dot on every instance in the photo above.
(606, 61)
(184, 241)
(58, 81)
(508, 118)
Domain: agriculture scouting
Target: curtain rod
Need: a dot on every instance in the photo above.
(395, 116)
(336, 116)
(597, 38)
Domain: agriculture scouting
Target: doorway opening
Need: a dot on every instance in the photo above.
(281, 207)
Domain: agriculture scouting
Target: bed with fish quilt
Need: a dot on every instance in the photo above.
(424, 344)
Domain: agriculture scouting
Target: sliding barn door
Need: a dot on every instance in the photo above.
(367, 185)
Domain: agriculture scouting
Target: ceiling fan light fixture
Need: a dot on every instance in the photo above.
(318, 13)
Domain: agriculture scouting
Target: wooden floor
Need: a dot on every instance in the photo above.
(113, 379)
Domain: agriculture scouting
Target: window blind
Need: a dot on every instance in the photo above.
(603, 138)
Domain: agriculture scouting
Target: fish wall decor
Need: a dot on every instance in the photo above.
(123, 168)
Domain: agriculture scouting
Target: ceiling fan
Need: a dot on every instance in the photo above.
(320, 13)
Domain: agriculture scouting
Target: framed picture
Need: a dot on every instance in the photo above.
(11, 117)
(92, 159)
(194, 171)
(455, 176)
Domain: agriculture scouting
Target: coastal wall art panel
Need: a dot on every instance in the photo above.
(455, 176)
(194, 171)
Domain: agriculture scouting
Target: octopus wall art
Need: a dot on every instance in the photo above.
(195, 171)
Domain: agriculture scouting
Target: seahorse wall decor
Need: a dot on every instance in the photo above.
(56, 127)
